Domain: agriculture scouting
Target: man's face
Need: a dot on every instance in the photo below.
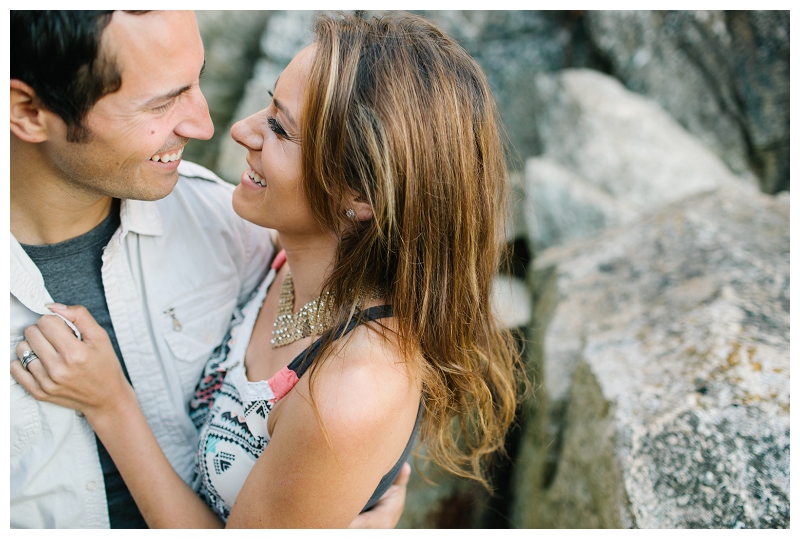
(137, 132)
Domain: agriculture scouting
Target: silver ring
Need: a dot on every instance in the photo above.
(27, 357)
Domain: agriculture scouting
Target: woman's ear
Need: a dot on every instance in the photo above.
(28, 117)
(361, 209)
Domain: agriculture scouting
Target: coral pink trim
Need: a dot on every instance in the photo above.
(280, 258)
(283, 382)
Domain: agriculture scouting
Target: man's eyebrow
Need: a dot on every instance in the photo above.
(173, 93)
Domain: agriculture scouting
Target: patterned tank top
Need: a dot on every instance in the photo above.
(231, 411)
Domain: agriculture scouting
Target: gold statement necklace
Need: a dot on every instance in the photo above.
(313, 318)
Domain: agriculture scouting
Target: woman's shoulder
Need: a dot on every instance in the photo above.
(367, 383)
(352, 416)
(358, 406)
(372, 362)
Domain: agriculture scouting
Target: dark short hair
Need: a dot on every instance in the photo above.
(57, 53)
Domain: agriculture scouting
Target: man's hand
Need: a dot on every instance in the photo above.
(386, 513)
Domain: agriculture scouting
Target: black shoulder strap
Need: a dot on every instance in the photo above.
(305, 358)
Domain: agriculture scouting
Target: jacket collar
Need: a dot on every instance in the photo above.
(27, 284)
(140, 217)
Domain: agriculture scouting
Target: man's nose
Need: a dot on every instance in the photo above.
(197, 121)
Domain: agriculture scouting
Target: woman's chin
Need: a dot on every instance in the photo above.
(246, 210)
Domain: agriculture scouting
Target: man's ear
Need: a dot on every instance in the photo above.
(28, 117)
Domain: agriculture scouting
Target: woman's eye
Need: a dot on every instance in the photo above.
(276, 127)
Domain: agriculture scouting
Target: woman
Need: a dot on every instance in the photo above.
(380, 167)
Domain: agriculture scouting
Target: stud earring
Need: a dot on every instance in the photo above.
(350, 213)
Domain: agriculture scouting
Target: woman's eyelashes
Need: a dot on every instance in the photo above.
(276, 127)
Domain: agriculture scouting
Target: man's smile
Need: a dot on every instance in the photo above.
(166, 157)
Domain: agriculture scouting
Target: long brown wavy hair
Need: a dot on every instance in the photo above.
(399, 113)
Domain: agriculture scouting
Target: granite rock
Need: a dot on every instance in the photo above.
(610, 157)
(724, 75)
(663, 352)
(562, 206)
(621, 142)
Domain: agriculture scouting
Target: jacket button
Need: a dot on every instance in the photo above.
(91, 485)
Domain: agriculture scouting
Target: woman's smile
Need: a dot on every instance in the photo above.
(256, 177)
(273, 154)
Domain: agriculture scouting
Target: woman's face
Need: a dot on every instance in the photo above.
(270, 193)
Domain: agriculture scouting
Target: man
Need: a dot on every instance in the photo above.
(105, 214)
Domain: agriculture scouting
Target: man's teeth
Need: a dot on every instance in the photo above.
(168, 157)
(256, 178)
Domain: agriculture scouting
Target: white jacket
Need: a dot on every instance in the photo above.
(173, 273)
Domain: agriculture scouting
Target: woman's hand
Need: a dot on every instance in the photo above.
(87, 376)
(83, 375)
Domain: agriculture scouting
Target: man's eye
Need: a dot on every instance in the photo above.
(164, 107)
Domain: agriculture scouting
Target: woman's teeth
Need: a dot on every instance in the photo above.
(256, 178)
(167, 157)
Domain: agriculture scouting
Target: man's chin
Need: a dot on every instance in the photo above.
(156, 188)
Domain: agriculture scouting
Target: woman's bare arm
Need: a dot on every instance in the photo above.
(86, 376)
(163, 498)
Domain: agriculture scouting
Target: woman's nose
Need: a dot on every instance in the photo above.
(245, 132)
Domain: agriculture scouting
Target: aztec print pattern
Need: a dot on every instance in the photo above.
(228, 448)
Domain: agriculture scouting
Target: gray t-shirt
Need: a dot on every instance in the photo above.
(72, 272)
